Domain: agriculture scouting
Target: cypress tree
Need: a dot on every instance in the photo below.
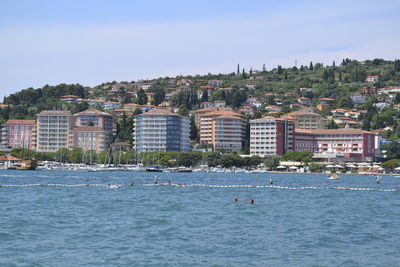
(311, 66)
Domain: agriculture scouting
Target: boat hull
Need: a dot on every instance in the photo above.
(27, 165)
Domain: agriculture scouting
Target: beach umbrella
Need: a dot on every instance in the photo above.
(338, 166)
(397, 169)
(293, 168)
(281, 167)
(330, 166)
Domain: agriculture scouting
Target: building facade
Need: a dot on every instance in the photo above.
(223, 129)
(19, 134)
(305, 119)
(270, 136)
(161, 130)
(53, 128)
(353, 143)
(88, 138)
(94, 117)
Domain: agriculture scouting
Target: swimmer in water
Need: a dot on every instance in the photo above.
(169, 183)
(108, 186)
(251, 201)
(236, 199)
(131, 184)
(377, 179)
(270, 180)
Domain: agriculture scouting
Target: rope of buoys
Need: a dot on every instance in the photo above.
(214, 186)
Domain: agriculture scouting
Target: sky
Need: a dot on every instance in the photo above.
(93, 41)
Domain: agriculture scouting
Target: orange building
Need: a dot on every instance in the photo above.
(88, 138)
(224, 129)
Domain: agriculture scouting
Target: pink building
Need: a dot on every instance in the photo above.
(94, 117)
(19, 134)
(347, 142)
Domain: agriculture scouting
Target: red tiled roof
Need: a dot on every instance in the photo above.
(20, 122)
(333, 131)
(55, 112)
(302, 112)
(8, 158)
(92, 112)
(70, 96)
(121, 144)
(158, 111)
(88, 129)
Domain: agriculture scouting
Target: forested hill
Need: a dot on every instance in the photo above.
(28, 102)
(337, 81)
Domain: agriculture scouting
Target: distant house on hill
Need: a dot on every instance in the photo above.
(70, 98)
(251, 85)
(369, 90)
(215, 82)
(219, 103)
(207, 104)
(304, 100)
(358, 99)
(373, 79)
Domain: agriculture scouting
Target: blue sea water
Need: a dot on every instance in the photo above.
(197, 226)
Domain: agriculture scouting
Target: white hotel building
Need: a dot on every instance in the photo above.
(270, 136)
(161, 130)
(53, 128)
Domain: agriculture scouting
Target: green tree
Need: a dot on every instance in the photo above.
(344, 102)
(272, 163)
(311, 66)
(193, 129)
(204, 96)
(159, 96)
(183, 110)
(313, 167)
(75, 156)
(391, 164)
(142, 97)
(213, 159)
(332, 124)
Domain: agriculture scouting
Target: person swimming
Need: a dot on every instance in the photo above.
(169, 182)
(377, 179)
(131, 184)
(270, 180)
(235, 199)
(251, 201)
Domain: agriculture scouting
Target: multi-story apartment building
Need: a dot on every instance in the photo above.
(200, 112)
(161, 130)
(19, 133)
(94, 117)
(306, 119)
(53, 128)
(88, 138)
(353, 143)
(270, 136)
(223, 129)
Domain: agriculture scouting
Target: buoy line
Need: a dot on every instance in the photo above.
(324, 187)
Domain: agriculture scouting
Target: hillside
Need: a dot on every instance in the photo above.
(277, 87)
